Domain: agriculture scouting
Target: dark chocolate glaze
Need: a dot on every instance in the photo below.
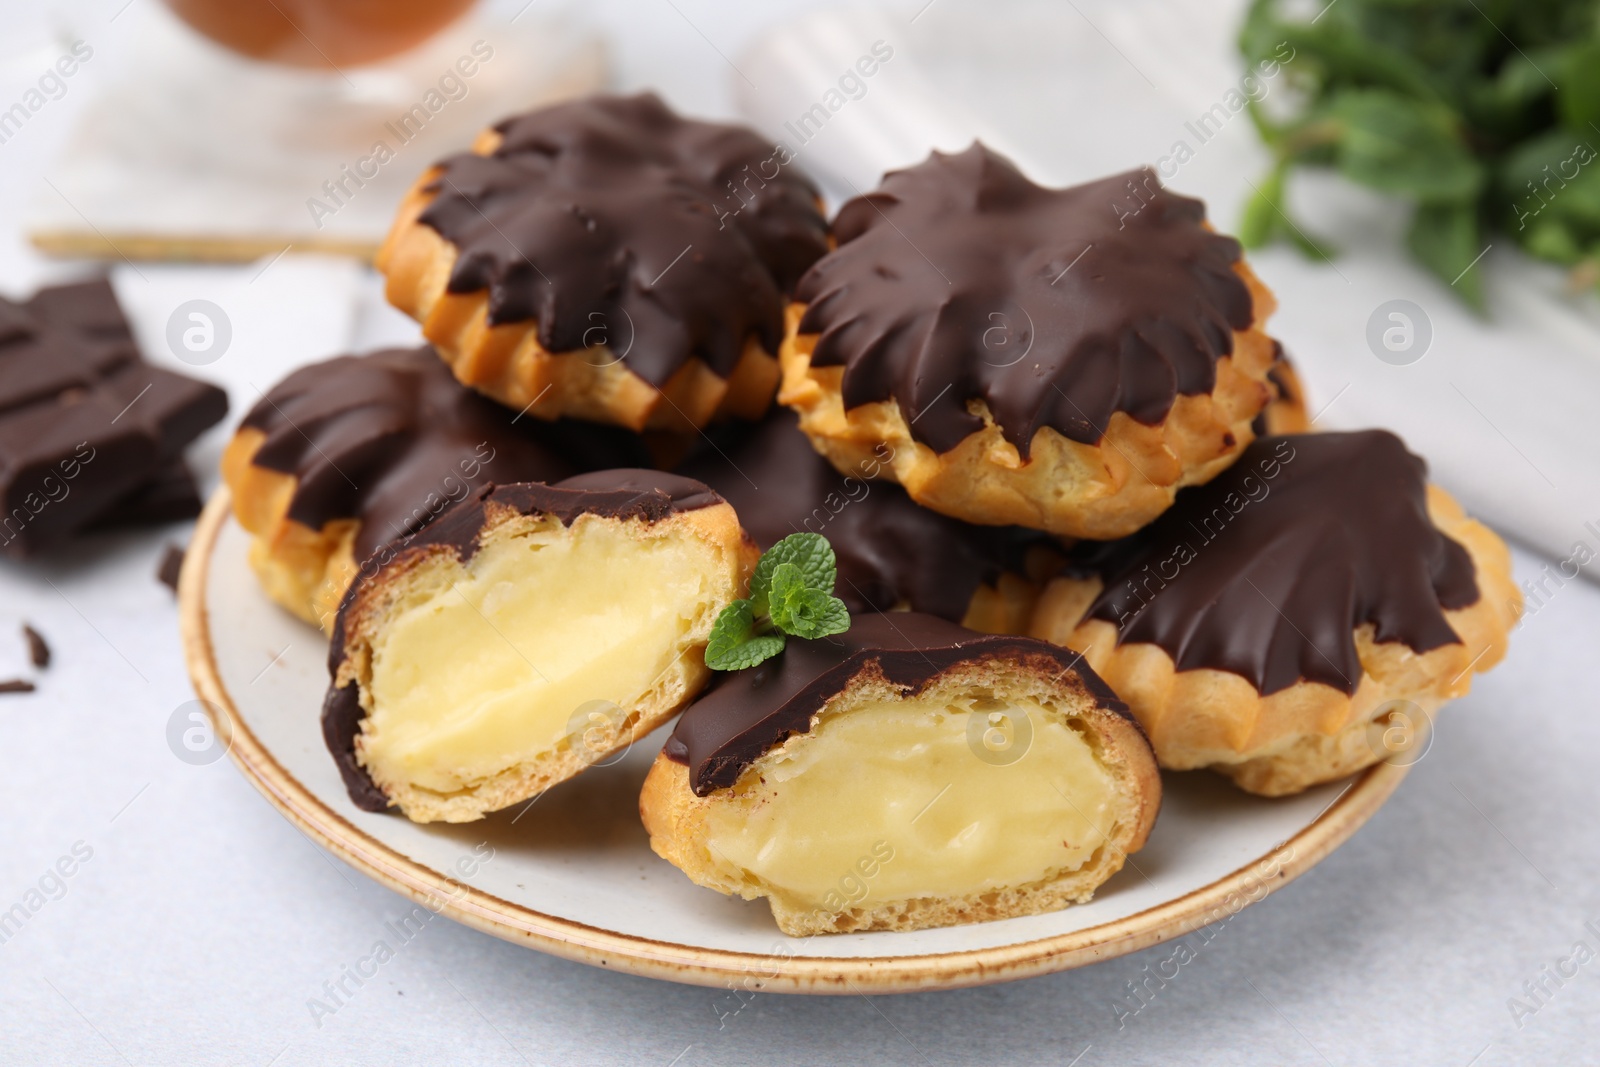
(891, 552)
(613, 220)
(959, 280)
(647, 495)
(1267, 570)
(341, 723)
(749, 712)
(392, 439)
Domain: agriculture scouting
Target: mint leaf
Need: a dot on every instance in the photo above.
(756, 650)
(1434, 103)
(809, 552)
(786, 584)
(818, 615)
(1578, 98)
(1445, 239)
(1263, 212)
(791, 592)
(735, 644)
(1405, 146)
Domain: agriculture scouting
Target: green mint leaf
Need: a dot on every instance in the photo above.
(1263, 213)
(787, 593)
(1491, 142)
(1400, 145)
(1445, 239)
(734, 643)
(756, 650)
(791, 593)
(816, 614)
(809, 552)
(803, 611)
(1578, 98)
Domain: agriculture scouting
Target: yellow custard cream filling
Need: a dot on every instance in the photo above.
(492, 664)
(897, 801)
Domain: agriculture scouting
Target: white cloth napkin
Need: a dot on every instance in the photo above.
(1503, 408)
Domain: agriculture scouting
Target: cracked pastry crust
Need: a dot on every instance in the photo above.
(1307, 733)
(524, 635)
(880, 814)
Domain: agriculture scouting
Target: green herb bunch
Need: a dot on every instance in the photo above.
(791, 595)
(1484, 113)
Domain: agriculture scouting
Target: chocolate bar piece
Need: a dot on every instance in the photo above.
(171, 496)
(89, 308)
(84, 424)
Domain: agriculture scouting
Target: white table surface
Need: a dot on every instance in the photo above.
(203, 922)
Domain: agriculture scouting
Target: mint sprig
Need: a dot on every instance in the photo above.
(791, 595)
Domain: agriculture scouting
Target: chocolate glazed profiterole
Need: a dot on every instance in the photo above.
(1064, 359)
(525, 633)
(891, 553)
(609, 260)
(907, 773)
(1278, 620)
(349, 455)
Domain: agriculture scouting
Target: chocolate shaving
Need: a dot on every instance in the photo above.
(171, 566)
(16, 685)
(38, 650)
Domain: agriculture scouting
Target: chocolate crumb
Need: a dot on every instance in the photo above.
(16, 685)
(171, 565)
(38, 650)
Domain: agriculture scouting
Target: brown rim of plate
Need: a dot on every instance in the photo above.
(718, 967)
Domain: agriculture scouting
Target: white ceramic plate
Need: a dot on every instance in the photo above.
(573, 874)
